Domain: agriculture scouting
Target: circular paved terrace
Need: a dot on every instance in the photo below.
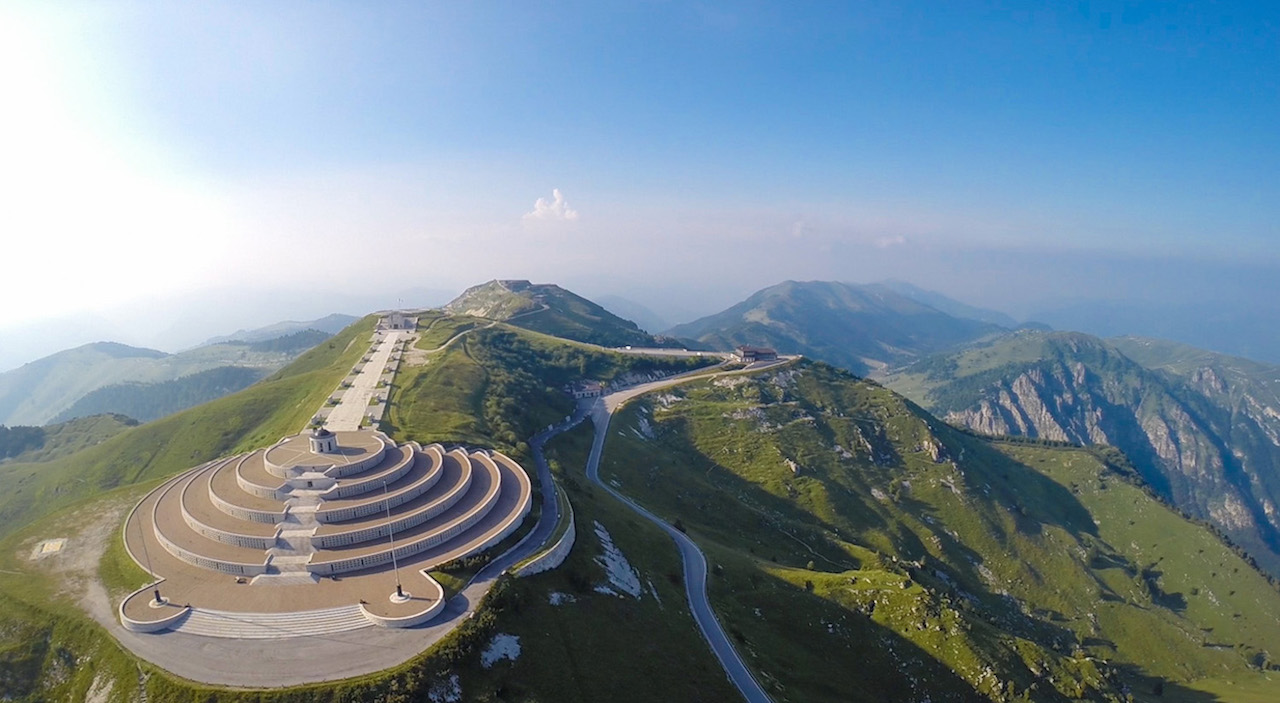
(285, 542)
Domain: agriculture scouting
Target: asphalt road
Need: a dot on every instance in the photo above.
(695, 563)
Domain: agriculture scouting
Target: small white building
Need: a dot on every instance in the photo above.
(397, 320)
(323, 441)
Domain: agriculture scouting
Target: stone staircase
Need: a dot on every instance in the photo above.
(293, 549)
(258, 626)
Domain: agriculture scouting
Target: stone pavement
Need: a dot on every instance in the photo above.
(351, 411)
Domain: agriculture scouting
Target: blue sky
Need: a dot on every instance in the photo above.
(708, 149)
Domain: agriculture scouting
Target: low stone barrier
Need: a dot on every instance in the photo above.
(413, 453)
(553, 557)
(406, 522)
(417, 618)
(423, 543)
(163, 623)
(378, 503)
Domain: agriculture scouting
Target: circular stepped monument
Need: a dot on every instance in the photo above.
(320, 533)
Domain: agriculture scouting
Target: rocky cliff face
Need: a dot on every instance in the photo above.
(1203, 438)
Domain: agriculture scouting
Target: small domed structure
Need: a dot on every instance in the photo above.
(323, 441)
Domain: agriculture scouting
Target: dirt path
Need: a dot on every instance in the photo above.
(76, 565)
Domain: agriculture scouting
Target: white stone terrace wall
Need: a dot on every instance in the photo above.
(553, 557)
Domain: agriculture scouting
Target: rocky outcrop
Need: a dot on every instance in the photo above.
(1203, 439)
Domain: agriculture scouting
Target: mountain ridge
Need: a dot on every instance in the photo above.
(42, 390)
(548, 308)
(330, 324)
(861, 327)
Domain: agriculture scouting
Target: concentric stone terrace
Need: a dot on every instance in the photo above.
(324, 526)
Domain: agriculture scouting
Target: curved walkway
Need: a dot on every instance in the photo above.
(695, 563)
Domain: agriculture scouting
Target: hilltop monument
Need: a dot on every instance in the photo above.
(325, 531)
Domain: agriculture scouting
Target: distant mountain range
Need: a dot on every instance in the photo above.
(548, 308)
(148, 401)
(628, 309)
(330, 324)
(1239, 330)
(863, 328)
(108, 377)
(950, 306)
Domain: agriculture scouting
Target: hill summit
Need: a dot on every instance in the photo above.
(860, 327)
(550, 309)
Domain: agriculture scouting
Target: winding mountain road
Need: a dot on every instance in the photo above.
(695, 563)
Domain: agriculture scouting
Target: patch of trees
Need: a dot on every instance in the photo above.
(18, 439)
(151, 401)
(291, 343)
(1018, 439)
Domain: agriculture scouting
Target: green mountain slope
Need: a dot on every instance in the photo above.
(42, 391)
(859, 543)
(33, 393)
(149, 401)
(1203, 429)
(52, 441)
(858, 327)
(550, 309)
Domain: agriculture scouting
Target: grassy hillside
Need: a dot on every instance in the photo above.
(550, 309)
(254, 417)
(150, 401)
(42, 390)
(859, 543)
(72, 436)
(581, 644)
(500, 385)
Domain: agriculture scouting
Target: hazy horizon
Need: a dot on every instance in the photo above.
(174, 172)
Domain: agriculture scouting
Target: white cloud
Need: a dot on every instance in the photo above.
(554, 209)
(886, 242)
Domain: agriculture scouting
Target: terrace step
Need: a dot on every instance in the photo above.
(307, 623)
